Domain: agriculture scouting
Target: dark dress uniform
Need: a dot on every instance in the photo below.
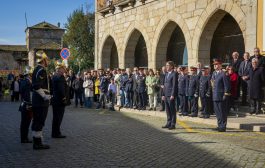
(142, 92)
(171, 89)
(40, 105)
(25, 109)
(205, 95)
(59, 102)
(192, 93)
(221, 89)
(183, 100)
(256, 84)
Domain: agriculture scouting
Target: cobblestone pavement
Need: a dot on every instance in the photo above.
(115, 139)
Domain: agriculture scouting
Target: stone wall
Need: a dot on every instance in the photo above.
(8, 61)
(198, 19)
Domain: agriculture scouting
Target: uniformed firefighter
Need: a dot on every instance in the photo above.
(40, 99)
(26, 106)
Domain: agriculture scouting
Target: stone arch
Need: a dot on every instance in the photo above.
(209, 23)
(163, 32)
(135, 33)
(109, 57)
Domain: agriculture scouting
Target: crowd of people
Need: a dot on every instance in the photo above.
(195, 91)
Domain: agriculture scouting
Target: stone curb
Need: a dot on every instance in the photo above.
(250, 125)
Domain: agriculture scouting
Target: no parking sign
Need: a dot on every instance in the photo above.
(65, 53)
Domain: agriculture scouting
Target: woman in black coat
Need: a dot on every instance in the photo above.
(256, 83)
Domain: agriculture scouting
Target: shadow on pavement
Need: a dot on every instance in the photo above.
(99, 140)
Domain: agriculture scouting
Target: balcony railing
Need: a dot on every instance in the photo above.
(109, 6)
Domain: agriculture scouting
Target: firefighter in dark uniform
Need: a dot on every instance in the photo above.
(26, 106)
(221, 91)
(59, 99)
(205, 92)
(193, 92)
(183, 100)
(40, 99)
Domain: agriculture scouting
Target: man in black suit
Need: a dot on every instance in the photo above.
(259, 57)
(169, 95)
(59, 100)
(243, 73)
(162, 80)
(256, 84)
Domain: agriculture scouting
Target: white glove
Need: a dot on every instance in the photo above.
(47, 97)
(43, 95)
(195, 95)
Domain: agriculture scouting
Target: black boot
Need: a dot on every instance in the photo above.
(37, 144)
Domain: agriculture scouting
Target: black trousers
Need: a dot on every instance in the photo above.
(15, 96)
(129, 97)
(58, 113)
(39, 117)
(78, 95)
(221, 113)
(171, 112)
(142, 100)
(162, 101)
(193, 105)
(24, 124)
(256, 105)
(206, 105)
(244, 86)
(183, 104)
(135, 99)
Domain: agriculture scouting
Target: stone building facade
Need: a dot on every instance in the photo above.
(13, 57)
(44, 36)
(149, 32)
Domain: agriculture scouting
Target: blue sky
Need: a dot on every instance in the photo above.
(12, 15)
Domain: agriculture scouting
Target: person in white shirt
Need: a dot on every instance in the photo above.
(88, 85)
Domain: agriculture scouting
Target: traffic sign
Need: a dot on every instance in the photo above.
(65, 53)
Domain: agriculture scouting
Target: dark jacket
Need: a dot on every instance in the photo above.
(171, 84)
(104, 83)
(40, 80)
(123, 80)
(129, 85)
(244, 69)
(236, 65)
(205, 86)
(141, 86)
(182, 84)
(261, 60)
(221, 85)
(59, 90)
(256, 83)
(134, 78)
(192, 85)
(25, 89)
(78, 85)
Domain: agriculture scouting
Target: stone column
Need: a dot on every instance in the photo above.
(251, 31)
(31, 57)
